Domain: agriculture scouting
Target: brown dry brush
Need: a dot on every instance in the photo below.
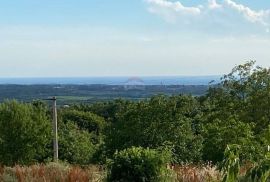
(91, 173)
(52, 173)
(1, 170)
(245, 168)
(192, 173)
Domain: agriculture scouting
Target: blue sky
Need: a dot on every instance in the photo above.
(61, 38)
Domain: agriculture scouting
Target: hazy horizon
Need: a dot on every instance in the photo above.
(113, 76)
(148, 80)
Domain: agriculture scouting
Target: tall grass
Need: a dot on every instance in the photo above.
(55, 172)
(197, 173)
(52, 172)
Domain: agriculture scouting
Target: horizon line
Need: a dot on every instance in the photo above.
(106, 76)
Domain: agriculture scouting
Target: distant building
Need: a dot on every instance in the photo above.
(66, 106)
(134, 83)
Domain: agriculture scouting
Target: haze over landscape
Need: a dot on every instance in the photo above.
(85, 38)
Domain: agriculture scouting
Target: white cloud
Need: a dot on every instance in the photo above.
(228, 11)
(171, 10)
(253, 16)
(212, 4)
(175, 6)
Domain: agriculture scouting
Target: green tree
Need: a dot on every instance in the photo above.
(220, 133)
(25, 133)
(237, 112)
(155, 122)
(248, 87)
(88, 121)
(75, 145)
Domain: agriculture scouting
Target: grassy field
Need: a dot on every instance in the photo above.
(73, 98)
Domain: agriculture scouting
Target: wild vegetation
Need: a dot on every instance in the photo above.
(222, 135)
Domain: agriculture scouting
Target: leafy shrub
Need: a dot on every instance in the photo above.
(260, 172)
(231, 163)
(139, 164)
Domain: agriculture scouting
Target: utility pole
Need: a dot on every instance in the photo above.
(55, 133)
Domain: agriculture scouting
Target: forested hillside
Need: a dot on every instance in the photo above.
(233, 116)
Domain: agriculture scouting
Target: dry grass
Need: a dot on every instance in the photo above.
(55, 172)
(192, 173)
(52, 172)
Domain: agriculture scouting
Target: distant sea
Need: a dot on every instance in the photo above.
(150, 80)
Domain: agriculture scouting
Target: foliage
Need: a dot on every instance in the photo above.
(260, 172)
(138, 164)
(81, 136)
(237, 111)
(231, 163)
(75, 145)
(197, 129)
(154, 122)
(84, 120)
(221, 133)
(107, 110)
(25, 133)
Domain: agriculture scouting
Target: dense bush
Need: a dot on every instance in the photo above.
(231, 169)
(220, 133)
(81, 136)
(107, 110)
(75, 145)
(84, 120)
(140, 165)
(25, 133)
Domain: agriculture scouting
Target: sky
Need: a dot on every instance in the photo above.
(82, 38)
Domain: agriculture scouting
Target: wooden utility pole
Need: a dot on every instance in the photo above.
(55, 132)
(54, 126)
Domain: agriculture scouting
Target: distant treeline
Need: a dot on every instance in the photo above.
(195, 129)
(71, 94)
